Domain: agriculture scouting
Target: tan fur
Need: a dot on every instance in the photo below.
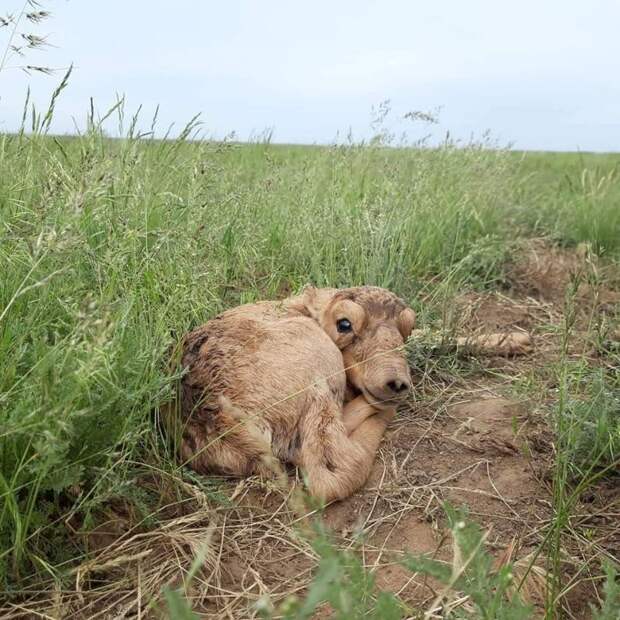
(508, 343)
(268, 380)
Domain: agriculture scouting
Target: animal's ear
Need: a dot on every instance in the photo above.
(406, 322)
(314, 301)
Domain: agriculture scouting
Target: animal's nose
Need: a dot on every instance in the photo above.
(398, 386)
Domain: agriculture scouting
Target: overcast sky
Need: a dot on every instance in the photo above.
(541, 74)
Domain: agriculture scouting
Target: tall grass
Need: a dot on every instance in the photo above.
(587, 436)
(574, 197)
(112, 249)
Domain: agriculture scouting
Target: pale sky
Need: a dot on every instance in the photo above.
(539, 74)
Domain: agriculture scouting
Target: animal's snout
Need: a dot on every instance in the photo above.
(388, 388)
(377, 365)
(398, 386)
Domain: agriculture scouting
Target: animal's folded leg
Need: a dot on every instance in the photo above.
(237, 445)
(335, 464)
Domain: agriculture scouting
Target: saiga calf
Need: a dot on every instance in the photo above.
(312, 380)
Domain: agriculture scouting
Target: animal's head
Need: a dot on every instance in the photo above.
(370, 326)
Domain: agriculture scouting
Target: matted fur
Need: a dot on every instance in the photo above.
(278, 380)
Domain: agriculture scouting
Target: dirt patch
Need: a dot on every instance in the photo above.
(546, 272)
(493, 312)
(473, 456)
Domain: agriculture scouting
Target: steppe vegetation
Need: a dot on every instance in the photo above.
(111, 249)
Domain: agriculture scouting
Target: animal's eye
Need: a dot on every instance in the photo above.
(344, 326)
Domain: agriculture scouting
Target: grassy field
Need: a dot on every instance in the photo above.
(111, 249)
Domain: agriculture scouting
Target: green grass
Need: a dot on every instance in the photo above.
(572, 197)
(111, 249)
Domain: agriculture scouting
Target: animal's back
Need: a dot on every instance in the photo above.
(264, 359)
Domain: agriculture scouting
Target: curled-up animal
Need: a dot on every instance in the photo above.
(312, 381)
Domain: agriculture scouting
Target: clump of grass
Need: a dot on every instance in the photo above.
(576, 196)
(342, 582)
(586, 419)
(589, 411)
(610, 606)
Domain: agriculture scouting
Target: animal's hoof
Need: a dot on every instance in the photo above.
(508, 344)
